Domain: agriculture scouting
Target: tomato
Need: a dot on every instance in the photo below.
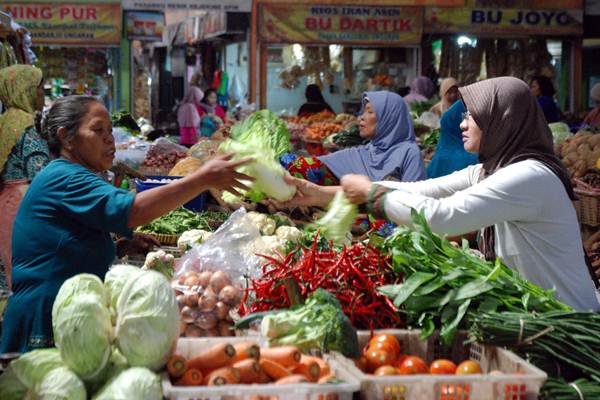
(442, 367)
(413, 365)
(383, 346)
(386, 370)
(468, 367)
(400, 360)
(378, 358)
(454, 392)
(389, 339)
(361, 363)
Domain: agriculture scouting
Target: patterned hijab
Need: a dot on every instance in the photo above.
(514, 129)
(18, 93)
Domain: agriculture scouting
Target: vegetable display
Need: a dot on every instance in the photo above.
(349, 137)
(318, 324)
(160, 261)
(351, 274)
(180, 220)
(132, 384)
(580, 152)
(61, 384)
(558, 389)
(443, 282)
(155, 158)
(320, 130)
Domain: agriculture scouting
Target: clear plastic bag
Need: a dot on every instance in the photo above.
(209, 278)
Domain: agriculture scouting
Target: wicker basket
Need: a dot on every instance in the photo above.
(588, 205)
(169, 240)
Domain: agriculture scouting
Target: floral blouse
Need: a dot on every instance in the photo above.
(27, 158)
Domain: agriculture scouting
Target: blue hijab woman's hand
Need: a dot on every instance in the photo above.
(356, 188)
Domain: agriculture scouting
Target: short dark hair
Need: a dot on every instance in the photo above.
(546, 85)
(66, 112)
(208, 93)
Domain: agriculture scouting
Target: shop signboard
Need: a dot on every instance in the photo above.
(341, 24)
(511, 18)
(81, 24)
(144, 25)
(213, 24)
(204, 5)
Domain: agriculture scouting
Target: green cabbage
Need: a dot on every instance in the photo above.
(60, 384)
(115, 279)
(147, 320)
(337, 223)
(28, 371)
(266, 128)
(132, 384)
(83, 334)
(73, 287)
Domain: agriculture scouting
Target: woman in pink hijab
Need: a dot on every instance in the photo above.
(421, 90)
(188, 116)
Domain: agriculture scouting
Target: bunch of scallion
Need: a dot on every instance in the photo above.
(443, 283)
(558, 389)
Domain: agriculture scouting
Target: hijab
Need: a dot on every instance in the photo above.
(450, 154)
(514, 129)
(18, 94)
(187, 115)
(443, 105)
(421, 90)
(394, 138)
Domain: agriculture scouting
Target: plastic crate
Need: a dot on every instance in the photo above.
(189, 347)
(198, 203)
(519, 381)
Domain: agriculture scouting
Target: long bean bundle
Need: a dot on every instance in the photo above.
(442, 282)
(569, 338)
(581, 389)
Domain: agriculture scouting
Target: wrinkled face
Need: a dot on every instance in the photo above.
(471, 133)
(535, 88)
(451, 95)
(211, 98)
(93, 146)
(367, 122)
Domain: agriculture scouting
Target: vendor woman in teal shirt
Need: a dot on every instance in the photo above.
(64, 222)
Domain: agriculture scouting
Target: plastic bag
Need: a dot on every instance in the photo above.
(209, 277)
(165, 146)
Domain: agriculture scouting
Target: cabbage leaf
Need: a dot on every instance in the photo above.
(28, 371)
(336, 224)
(60, 384)
(132, 384)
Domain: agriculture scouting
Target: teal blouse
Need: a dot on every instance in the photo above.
(62, 229)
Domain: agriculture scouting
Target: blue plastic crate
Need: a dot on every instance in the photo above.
(198, 203)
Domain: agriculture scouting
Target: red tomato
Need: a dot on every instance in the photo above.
(386, 370)
(454, 392)
(442, 367)
(413, 365)
(361, 363)
(387, 338)
(400, 360)
(468, 367)
(378, 358)
(384, 346)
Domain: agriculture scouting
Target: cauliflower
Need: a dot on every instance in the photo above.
(160, 261)
(189, 238)
(265, 225)
(288, 234)
(274, 245)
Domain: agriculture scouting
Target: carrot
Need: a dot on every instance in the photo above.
(262, 376)
(327, 379)
(288, 356)
(223, 376)
(246, 350)
(249, 370)
(215, 357)
(296, 378)
(309, 368)
(176, 366)
(273, 369)
(191, 377)
(325, 368)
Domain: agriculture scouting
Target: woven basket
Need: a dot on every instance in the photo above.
(169, 240)
(588, 206)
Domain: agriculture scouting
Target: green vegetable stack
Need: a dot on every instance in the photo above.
(443, 282)
(180, 220)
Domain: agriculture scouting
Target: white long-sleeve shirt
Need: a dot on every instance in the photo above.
(536, 226)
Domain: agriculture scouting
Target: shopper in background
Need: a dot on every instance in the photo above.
(23, 153)
(450, 154)
(519, 195)
(543, 89)
(210, 106)
(592, 118)
(315, 102)
(64, 223)
(188, 116)
(391, 154)
(421, 90)
(448, 95)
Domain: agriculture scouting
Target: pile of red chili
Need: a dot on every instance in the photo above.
(352, 275)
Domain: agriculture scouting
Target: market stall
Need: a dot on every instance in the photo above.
(76, 44)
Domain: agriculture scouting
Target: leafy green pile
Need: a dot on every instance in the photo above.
(430, 140)
(349, 137)
(443, 282)
(123, 119)
(180, 220)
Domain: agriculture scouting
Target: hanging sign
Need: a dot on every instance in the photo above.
(144, 25)
(343, 24)
(204, 5)
(79, 24)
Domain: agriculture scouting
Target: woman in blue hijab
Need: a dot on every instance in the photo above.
(392, 153)
(450, 154)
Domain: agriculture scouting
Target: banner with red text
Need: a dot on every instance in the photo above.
(340, 24)
(63, 24)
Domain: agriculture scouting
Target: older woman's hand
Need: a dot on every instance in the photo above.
(356, 188)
